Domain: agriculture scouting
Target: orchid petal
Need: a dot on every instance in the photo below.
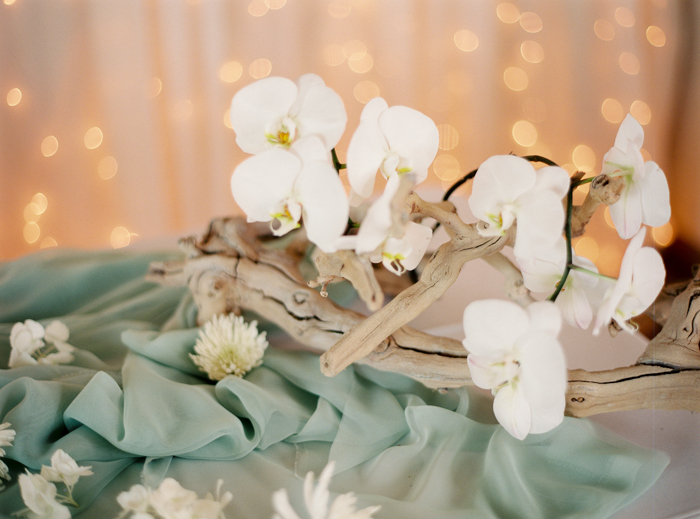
(630, 131)
(366, 152)
(319, 110)
(553, 178)
(512, 411)
(324, 203)
(544, 317)
(648, 275)
(656, 206)
(263, 181)
(626, 213)
(418, 236)
(540, 223)
(377, 222)
(499, 180)
(257, 105)
(543, 380)
(412, 135)
(575, 308)
(484, 330)
(483, 371)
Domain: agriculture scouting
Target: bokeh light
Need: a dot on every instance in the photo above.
(515, 78)
(153, 87)
(14, 96)
(365, 91)
(624, 17)
(48, 242)
(466, 40)
(530, 22)
(587, 247)
(40, 202)
(120, 237)
(532, 51)
(275, 4)
(49, 146)
(641, 111)
(663, 235)
(230, 72)
(257, 8)
(260, 68)
(354, 49)
(524, 133)
(612, 111)
(31, 232)
(362, 65)
(93, 138)
(604, 30)
(583, 158)
(107, 168)
(507, 13)
(449, 137)
(629, 63)
(446, 167)
(656, 36)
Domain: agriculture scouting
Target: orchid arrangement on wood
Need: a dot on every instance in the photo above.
(293, 183)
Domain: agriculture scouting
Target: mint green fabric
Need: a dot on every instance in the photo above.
(134, 407)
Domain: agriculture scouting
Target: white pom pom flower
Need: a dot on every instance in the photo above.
(229, 346)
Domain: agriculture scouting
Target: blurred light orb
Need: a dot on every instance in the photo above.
(584, 159)
(641, 111)
(47, 243)
(515, 78)
(227, 119)
(449, 137)
(612, 111)
(587, 247)
(466, 40)
(629, 63)
(260, 68)
(31, 232)
(530, 22)
(663, 235)
(624, 17)
(362, 65)
(31, 213)
(340, 9)
(507, 13)
(524, 133)
(333, 55)
(570, 168)
(230, 72)
(645, 155)
(275, 4)
(656, 36)
(93, 138)
(365, 91)
(49, 146)
(41, 202)
(257, 8)
(446, 167)
(354, 49)
(14, 96)
(120, 237)
(8, 2)
(608, 218)
(604, 30)
(532, 52)
(535, 109)
(107, 168)
(153, 87)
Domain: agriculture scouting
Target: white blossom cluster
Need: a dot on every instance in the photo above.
(7, 436)
(32, 344)
(171, 501)
(292, 129)
(41, 496)
(227, 345)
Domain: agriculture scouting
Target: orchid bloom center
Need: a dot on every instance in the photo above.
(393, 262)
(395, 163)
(282, 132)
(285, 217)
(620, 170)
(508, 370)
(501, 222)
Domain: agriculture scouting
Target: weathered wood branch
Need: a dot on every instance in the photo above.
(603, 190)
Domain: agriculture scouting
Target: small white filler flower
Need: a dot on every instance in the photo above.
(229, 346)
(7, 436)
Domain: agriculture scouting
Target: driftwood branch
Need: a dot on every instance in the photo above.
(603, 190)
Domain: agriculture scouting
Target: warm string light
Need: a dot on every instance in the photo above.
(120, 237)
(612, 111)
(532, 52)
(524, 133)
(32, 212)
(656, 36)
(584, 158)
(629, 63)
(530, 22)
(446, 167)
(49, 146)
(624, 17)
(507, 13)
(107, 168)
(93, 138)
(153, 87)
(587, 247)
(14, 96)
(641, 111)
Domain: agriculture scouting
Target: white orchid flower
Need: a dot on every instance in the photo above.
(645, 198)
(316, 501)
(282, 186)
(276, 112)
(515, 353)
(394, 140)
(397, 249)
(641, 278)
(507, 188)
(40, 498)
(543, 274)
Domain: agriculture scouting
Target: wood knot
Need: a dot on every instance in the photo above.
(300, 297)
(578, 399)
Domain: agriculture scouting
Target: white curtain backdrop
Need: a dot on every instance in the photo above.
(157, 77)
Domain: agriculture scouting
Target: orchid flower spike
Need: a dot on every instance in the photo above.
(398, 249)
(645, 197)
(277, 112)
(642, 276)
(507, 188)
(395, 141)
(281, 186)
(515, 353)
(580, 290)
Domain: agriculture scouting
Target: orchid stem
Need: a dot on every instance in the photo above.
(567, 232)
(336, 163)
(583, 181)
(590, 272)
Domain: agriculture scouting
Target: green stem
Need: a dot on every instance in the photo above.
(567, 232)
(336, 163)
(583, 181)
(590, 272)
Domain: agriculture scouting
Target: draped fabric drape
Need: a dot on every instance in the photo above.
(116, 111)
